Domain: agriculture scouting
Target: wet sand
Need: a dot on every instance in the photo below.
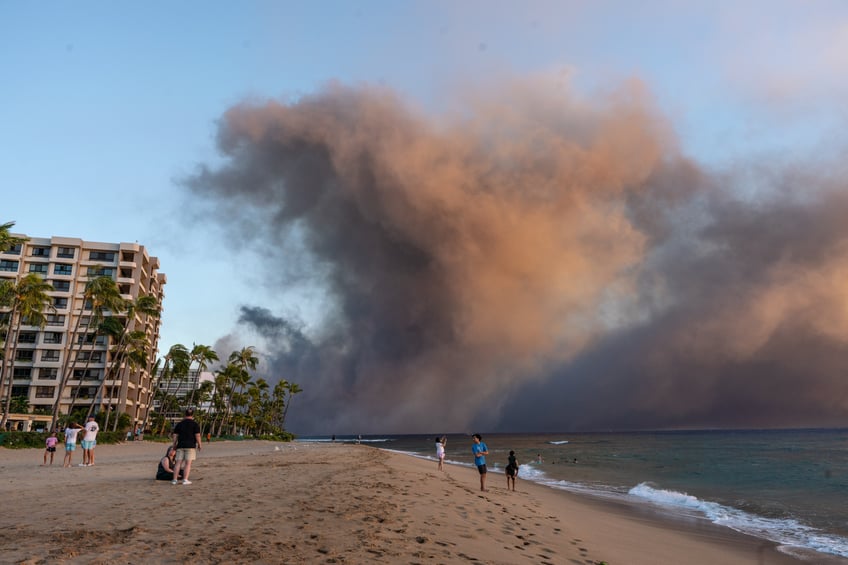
(266, 502)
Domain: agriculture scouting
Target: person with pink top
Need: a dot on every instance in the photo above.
(51, 444)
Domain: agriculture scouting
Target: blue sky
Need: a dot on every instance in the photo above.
(104, 104)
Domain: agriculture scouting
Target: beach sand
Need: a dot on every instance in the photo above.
(266, 502)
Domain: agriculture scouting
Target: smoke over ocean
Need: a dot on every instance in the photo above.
(532, 261)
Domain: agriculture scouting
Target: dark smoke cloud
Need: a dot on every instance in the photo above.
(532, 262)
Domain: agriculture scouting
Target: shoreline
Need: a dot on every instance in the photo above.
(265, 502)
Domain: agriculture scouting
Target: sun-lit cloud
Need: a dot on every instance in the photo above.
(475, 260)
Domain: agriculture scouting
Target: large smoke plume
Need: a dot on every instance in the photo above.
(532, 261)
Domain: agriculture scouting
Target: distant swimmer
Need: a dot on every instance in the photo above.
(538, 458)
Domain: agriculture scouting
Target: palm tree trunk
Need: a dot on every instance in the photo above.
(66, 364)
(164, 391)
(126, 376)
(120, 353)
(9, 357)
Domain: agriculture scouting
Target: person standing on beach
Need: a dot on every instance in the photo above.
(89, 440)
(511, 470)
(186, 436)
(50, 447)
(480, 451)
(70, 442)
(440, 450)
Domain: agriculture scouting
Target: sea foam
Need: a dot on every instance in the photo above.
(786, 532)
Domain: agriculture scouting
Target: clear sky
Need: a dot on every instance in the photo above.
(104, 106)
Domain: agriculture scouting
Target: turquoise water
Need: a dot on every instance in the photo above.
(790, 487)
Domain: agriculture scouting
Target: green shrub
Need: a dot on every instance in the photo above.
(25, 440)
(22, 440)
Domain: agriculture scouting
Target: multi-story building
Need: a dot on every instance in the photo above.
(68, 264)
(183, 390)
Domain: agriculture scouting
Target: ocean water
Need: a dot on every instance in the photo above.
(789, 487)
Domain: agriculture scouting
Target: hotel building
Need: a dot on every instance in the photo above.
(67, 264)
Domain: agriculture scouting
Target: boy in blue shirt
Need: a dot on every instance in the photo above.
(480, 451)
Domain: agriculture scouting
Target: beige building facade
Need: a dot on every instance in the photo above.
(67, 264)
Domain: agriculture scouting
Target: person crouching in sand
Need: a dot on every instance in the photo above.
(511, 470)
(165, 472)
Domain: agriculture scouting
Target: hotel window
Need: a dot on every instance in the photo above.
(101, 256)
(89, 338)
(100, 272)
(49, 355)
(27, 337)
(55, 319)
(38, 268)
(62, 286)
(52, 337)
(93, 356)
(126, 273)
(9, 266)
(60, 303)
(40, 252)
(20, 391)
(62, 269)
(22, 373)
(86, 392)
(24, 355)
(87, 374)
(14, 250)
(128, 257)
(44, 391)
(65, 253)
(48, 373)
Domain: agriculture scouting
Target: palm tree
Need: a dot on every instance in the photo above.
(292, 388)
(101, 294)
(177, 362)
(242, 360)
(136, 357)
(7, 240)
(231, 374)
(129, 352)
(278, 403)
(220, 392)
(152, 370)
(26, 302)
(258, 401)
(203, 355)
(125, 341)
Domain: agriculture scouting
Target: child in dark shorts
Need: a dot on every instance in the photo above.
(511, 470)
(51, 444)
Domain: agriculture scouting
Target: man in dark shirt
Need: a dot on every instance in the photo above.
(186, 436)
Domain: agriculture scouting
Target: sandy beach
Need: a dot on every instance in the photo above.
(264, 502)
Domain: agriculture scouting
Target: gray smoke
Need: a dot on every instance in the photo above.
(534, 262)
